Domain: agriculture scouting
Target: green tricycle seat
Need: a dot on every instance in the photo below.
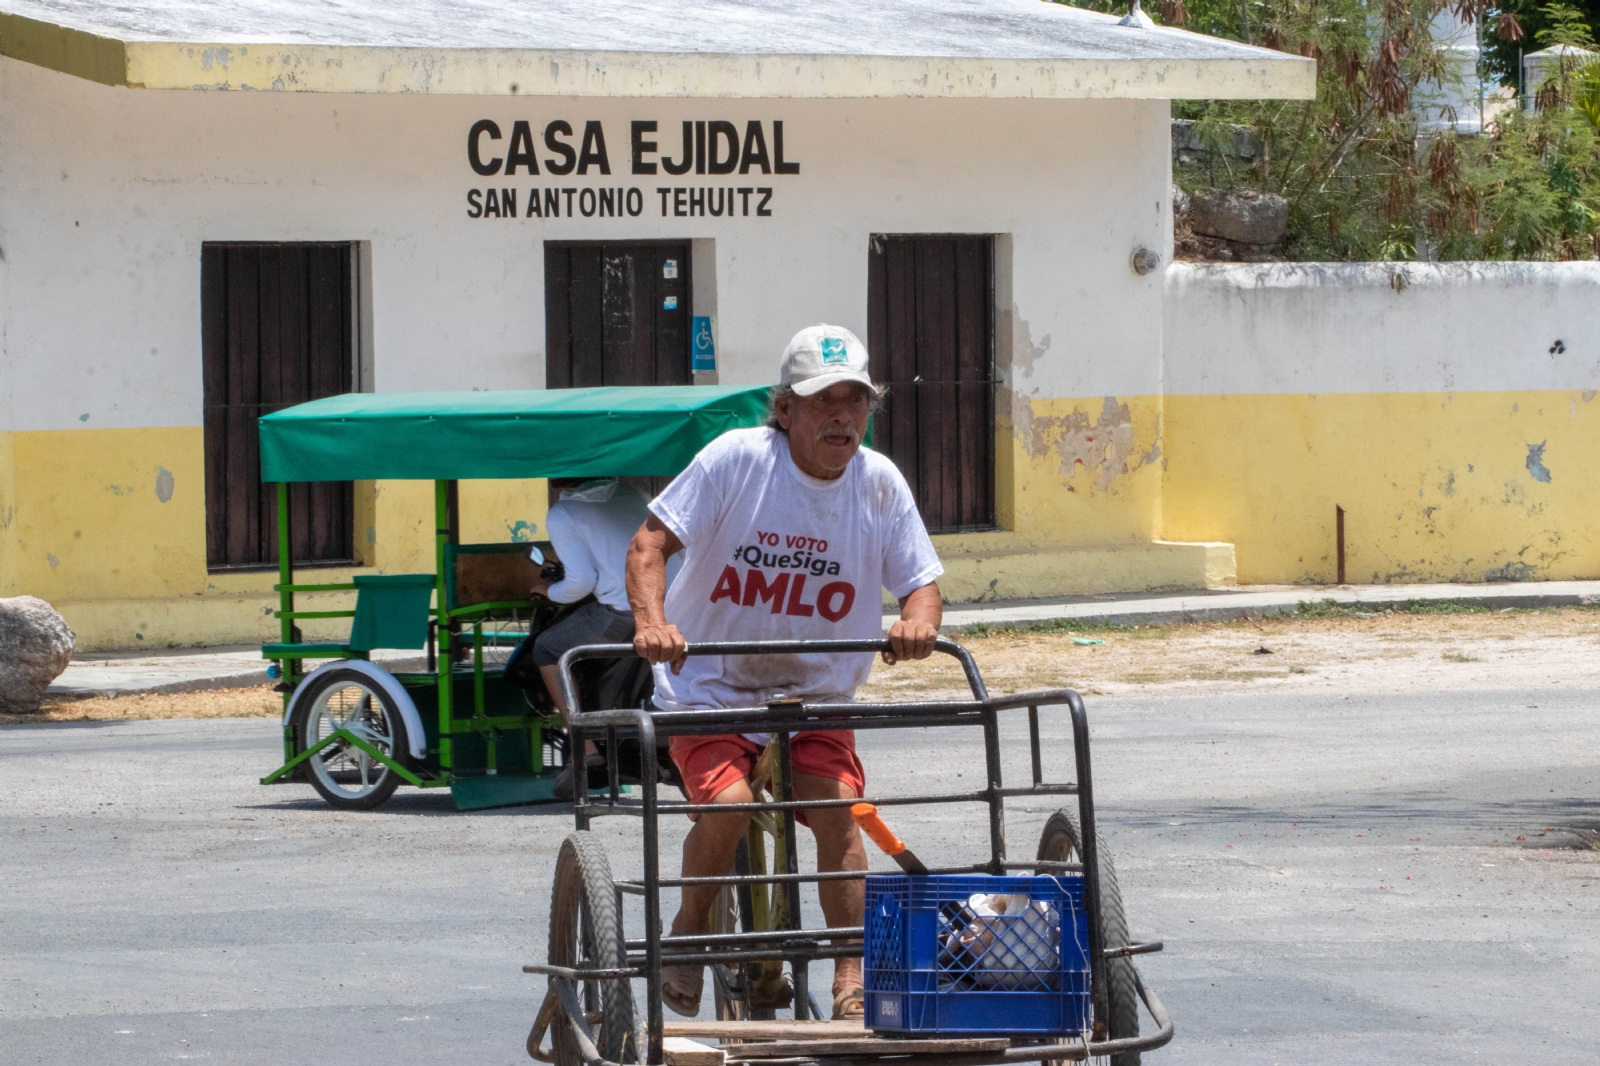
(392, 611)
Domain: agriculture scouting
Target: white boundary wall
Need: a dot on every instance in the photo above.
(1281, 328)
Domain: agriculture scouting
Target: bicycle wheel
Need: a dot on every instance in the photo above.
(1061, 842)
(347, 777)
(586, 932)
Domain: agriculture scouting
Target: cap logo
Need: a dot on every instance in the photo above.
(833, 351)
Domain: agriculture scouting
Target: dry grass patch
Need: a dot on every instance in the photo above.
(257, 701)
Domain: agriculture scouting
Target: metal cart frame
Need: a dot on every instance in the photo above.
(644, 956)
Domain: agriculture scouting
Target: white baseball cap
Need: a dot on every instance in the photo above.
(823, 355)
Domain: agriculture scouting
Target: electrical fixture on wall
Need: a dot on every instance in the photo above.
(1144, 261)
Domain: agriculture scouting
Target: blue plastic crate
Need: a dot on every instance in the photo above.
(935, 965)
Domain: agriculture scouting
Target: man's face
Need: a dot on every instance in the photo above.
(826, 428)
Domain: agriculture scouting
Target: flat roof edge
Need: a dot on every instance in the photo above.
(526, 72)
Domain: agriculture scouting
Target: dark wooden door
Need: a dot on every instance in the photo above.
(930, 332)
(277, 324)
(616, 314)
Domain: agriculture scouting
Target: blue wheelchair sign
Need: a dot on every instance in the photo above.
(702, 345)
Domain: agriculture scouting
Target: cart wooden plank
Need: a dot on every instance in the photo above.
(681, 1051)
(866, 1046)
(773, 1030)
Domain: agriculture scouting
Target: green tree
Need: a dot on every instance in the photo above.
(1365, 180)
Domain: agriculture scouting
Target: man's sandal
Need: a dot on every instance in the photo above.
(849, 1005)
(681, 988)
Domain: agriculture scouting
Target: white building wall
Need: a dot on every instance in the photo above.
(108, 193)
(1288, 328)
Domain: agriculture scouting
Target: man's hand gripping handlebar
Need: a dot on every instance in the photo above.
(661, 643)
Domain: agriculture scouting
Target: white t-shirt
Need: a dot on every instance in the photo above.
(771, 553)
(591, 538)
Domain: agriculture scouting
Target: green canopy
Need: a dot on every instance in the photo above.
(447, 436)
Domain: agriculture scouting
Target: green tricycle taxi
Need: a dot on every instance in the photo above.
(357, 731)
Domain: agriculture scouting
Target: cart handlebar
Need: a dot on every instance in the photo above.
(942, 645)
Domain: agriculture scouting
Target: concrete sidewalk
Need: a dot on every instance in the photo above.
(1254, 601)
(193, 669)
(123, 673)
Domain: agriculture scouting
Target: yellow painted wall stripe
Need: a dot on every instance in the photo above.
(8, 519)
(1106, 494)
(1436, 486)
(70, 51)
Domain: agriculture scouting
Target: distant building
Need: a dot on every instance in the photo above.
(1461, 101)
(1539, 67)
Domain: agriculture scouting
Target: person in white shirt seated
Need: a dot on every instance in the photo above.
(788, 532)
(590, 527)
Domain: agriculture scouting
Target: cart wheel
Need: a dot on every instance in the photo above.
(730, 981)
(586, 931)
(731, 913)
(346, 776)
(1060, 843)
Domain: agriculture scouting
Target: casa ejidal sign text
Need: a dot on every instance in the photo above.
(710, 148)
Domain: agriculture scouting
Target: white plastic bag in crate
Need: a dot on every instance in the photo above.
(1016, 940)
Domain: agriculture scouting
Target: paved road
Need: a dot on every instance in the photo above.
(1337, 881)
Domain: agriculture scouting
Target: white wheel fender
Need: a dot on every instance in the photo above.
(416, 740)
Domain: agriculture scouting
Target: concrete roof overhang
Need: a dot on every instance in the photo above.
(642, 48)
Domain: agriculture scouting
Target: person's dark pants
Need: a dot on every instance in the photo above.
(593, 623)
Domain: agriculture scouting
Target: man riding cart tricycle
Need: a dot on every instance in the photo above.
(787, 534)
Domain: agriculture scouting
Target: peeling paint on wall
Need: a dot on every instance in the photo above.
(1025, 353)
(1102, 448)
(1536, 465)
(522, 532)
(164, 484)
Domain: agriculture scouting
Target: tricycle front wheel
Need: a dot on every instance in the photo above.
(344, 775)
(586, 933)
(1061, 841)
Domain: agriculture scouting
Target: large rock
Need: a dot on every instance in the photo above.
(35, 647)
(1241, 142)
(1242, 215)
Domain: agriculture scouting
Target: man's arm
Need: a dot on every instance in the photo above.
(654, 638)
(913, 635)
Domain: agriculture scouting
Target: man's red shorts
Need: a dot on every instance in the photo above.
(710, 765)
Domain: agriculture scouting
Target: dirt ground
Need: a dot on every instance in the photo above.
(1450, 648)
(1318, 649)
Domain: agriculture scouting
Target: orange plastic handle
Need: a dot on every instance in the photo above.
(866, 816)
